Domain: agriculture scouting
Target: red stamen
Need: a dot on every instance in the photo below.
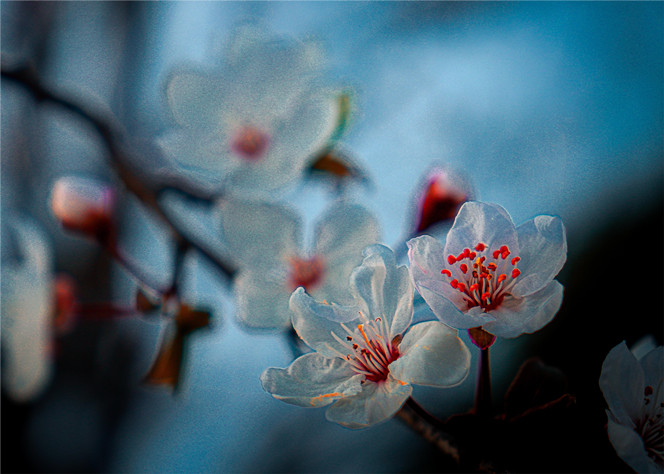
(485, 296)
(463, 267)
(480, 247)
(451, 260)
(472, 255)
(504, 248)
(474, 287)
(454, 283)
(516, 272)
(446, 272)
(492, 266)
(515, 259)
(495, 254)
(501, 277)
(462, 287)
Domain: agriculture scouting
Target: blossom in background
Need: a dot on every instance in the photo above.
(27, 308)
(439, 197)
(265, 242)
(255, 123)
(366, 356)
(491, 274)
(634, 391)
(84, 205)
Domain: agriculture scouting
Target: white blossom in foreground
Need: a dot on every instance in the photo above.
(265, 240)
(491, 274)
(634, 392)
(254, 124)
(27, 309)
(366, 356)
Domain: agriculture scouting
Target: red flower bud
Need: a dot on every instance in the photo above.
(84, 205)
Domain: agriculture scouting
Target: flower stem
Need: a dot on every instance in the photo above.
(429, 427)
(483, 387)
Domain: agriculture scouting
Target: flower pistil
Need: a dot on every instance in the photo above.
(370, 349)
(486, 278)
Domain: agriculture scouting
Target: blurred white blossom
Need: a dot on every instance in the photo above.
(366, 364)
(253, 124)
(265, 240)
(27, 308)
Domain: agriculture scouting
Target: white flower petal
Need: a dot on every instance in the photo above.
(312, 381)
(427, 260)
(432, 354)
(543, 251)
(531, 313)
(266, 74)
(481, 222)
(315, 322)
(196, 99)
(653, 367)
(383, 289)
(622, 383)
(27, 306)
(259, 234)
(204, 156)
(629, 446)
(344, 231)
(262, 302)
(376, 403)
(433, 290)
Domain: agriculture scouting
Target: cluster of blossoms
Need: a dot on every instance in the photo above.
(367, 355)
(251, 127)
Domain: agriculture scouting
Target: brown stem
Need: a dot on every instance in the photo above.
(120, 156)
(427, 426)
(483, 387)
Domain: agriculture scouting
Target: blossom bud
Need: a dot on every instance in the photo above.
(65, 304)
(84, 205)
(439, 198)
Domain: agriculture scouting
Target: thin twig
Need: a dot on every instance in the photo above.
(120, 156)
(412, 414)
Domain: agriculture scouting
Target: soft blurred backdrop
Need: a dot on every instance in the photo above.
(546, 107)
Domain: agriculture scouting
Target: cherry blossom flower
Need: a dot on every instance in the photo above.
(265, 241)
(254, 124)
(634, 391)
(365, 365)
(491, 274)
(83, 205)
(27, 309)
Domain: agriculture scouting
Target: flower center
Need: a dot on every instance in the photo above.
(250, 143)
(486, 278)
(306, 272)
(369, 348)
(651, 426)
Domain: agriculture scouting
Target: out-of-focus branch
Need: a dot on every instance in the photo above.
(429, 428)
(121, 157)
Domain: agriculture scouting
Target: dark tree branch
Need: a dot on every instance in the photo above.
(121, 157)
